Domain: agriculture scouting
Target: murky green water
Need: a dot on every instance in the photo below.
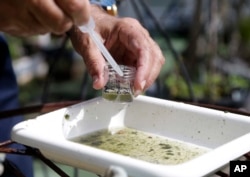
(121, 97)
(143, 146)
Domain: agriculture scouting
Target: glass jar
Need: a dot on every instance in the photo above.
(119, 88)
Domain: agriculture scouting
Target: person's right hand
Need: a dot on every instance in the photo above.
(33, 17)
(128, 42)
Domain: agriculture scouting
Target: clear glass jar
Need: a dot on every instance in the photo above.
(119, 88)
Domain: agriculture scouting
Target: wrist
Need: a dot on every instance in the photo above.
(108, 5)
(103, 21)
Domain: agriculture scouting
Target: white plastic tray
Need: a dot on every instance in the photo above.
(225, 134)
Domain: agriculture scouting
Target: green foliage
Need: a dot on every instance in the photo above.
(177, 86)
(15, 46)
(214, 88)
(244, 28)
(238, 82)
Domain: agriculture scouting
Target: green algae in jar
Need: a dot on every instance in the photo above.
(119, 88)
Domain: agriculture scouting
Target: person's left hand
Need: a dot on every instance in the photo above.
(129, 44)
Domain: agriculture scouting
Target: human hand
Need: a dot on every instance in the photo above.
(129, 44)
(29, 17)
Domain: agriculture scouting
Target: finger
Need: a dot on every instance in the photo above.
(93, 59)
(139, 45)
(50, 15)
(156, 61)
(143, 71)
(78, 10)
(149, 60)
(95, 64)
(27, 25)
(33, 26)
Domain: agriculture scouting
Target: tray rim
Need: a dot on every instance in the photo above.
(20, 131)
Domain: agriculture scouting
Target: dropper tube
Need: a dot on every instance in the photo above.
(89, 28)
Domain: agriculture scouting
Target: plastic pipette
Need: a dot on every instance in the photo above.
(89, 28)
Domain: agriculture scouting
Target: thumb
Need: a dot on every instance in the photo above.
(95, 63)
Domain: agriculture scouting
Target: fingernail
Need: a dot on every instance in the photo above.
(137, 92)
(142, 85)
(95, 79)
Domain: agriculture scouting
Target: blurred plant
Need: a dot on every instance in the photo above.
(214, 88)
(238, 82)
(244, 30)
